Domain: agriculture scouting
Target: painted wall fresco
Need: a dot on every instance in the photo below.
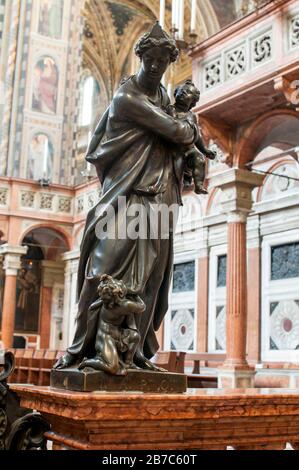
(40, 158)
(50, 18)
(45, 86)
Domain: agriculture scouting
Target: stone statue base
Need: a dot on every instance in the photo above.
(246, 419)
(137, 381)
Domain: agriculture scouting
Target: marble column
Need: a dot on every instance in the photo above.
(236, 304)
(254, 290)
(12, 263)
(203, 291)
(52, 272)
(71, 259)
(236, 186)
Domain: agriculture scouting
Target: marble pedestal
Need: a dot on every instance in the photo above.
(136, 380)
(236, 377)
(198, 419)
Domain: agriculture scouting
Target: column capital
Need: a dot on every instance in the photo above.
(12, 258)
(236, 186)
(239, 215)
(71, 255)
(71, 259)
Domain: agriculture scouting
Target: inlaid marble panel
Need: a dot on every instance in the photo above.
(284, 325)
(221, 271)
(220, 335)
(184, 277)
(182, 329)
(285, 261)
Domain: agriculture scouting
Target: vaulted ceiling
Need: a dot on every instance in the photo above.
(112, 27)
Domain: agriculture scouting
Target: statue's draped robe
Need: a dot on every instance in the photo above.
(133, 159)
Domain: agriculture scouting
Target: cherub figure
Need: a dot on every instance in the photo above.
(117, 335)
(186, 96)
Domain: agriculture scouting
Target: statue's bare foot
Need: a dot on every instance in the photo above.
(93, 363)
(65, 361)
(200, 190)
(132, 366)
(144, 363)
(97, 363)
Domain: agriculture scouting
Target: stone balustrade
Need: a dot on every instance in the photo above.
(258, 47)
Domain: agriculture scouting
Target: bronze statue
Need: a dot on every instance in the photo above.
(115, 343)
(186, 96)
(133, 150)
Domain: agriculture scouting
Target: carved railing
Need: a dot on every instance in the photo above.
(20, 429)
(26, 197)
(259, 47)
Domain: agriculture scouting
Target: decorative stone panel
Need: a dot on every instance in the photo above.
(182, 329)
(46, 201)
(85, 202)
(235, 61)
(238, 59)
(262, 48)
(294, 31)
(220, 334)
(212, 73)
(27, 199)
(284, 325)
(64, 204)
(91, 200)
(3, 196)
(80, 205)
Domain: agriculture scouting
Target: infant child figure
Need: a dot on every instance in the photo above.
(186, 96)
(117, 335)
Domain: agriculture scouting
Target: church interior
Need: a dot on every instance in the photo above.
(233, 320)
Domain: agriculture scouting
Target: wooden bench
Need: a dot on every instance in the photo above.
(196, 359)
(47, 363)
(173, 361)
(198, 380)
(33, 366)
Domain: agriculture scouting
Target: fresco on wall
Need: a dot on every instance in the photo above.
(27, 301)
(40, 158)
(50, 18)
(45, 86)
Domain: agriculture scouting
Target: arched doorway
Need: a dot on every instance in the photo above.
(40, 289)
(277, 207)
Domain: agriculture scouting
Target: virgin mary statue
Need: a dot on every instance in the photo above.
(132, 150)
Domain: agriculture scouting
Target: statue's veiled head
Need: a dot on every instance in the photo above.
(156, 50)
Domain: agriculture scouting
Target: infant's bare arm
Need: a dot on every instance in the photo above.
(135, 305)
(200, 145)
(98, 303)
(170, 109)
